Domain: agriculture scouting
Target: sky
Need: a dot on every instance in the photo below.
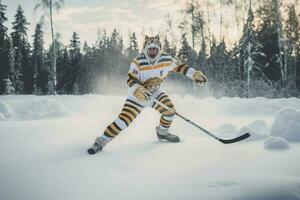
(89, 16)
(141, 16)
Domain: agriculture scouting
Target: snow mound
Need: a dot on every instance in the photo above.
(259, 126)
(2, 116)
(276, 143)
(5, 111)
(31, 107)
(254, 135)
(287, 124)
(258, 105)
(226, 129)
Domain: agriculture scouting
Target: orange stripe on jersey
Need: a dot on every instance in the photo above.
(161, 65)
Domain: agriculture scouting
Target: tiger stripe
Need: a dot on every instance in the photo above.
(162, 120)
(128, 115)
(132, 79)
(134, 103)
(134, 108)
(112, 130)
(132, 76)
(167, 113)
(163, 98)
(124, 119)
(185, 70)
(182, 69)
(130, 82)
(178, 68)
(109, 133)
(165, 126)
(116, 128)
(131, 110)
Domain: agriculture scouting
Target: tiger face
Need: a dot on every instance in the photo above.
(151, 40)
(152, 47)
(153, 84)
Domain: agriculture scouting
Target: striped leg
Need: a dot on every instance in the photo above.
(166, 115)
(129, 112)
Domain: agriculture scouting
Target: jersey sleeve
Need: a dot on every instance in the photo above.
(182, 68)
(133, 73)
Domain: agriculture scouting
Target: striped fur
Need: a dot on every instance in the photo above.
(129, 112)
(132, 79)
(183, 68)
(166, 115)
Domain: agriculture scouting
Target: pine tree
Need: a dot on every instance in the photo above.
(196, 23)
(5, 69)
(133, 48)
(292, 35)
(9, 88)
(267, 36)
(85, 80)
(63, 66)
(75, 63)
(249, 54)
(185, 51)
(168, 48)
(41, 71)
(22, 67)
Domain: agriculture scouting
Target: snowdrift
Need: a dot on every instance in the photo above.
(30, 107)
(287, 124)
(43, 143)
(276, 143)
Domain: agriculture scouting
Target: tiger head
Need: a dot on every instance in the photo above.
(152, 48)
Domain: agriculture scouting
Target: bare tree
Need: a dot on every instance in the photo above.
(47, 6)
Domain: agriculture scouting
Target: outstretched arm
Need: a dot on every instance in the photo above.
(190, 72)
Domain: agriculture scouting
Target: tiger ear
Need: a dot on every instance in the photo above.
(146, 37)
(157, 37)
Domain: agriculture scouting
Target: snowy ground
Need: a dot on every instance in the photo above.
(43, 142)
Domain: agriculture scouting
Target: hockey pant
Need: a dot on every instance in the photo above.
(132, 108)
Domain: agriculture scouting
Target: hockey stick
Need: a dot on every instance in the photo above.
(224, 141)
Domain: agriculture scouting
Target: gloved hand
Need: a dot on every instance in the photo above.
(199, 77)
(142, 94)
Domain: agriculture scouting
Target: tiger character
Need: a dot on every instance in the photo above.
(145, 76)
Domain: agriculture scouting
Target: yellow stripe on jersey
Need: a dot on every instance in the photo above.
(161, 65)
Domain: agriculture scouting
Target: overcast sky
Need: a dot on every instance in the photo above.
(88, 16)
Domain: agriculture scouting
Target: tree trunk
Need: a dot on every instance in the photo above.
(193, 34)
(221, 20)
(208, 23)
(53, 85)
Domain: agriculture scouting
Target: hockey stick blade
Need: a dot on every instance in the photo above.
(224, 141)
(237, 139)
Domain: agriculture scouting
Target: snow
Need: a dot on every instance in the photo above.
(259, 126)
(276, 143)
(225, 129)
(287, 124)
(43, 143)
(254, 135)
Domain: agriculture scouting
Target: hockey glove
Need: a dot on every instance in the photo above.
(199, 77)
(142, 94)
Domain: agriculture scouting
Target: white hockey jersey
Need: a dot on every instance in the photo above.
(141, 70)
